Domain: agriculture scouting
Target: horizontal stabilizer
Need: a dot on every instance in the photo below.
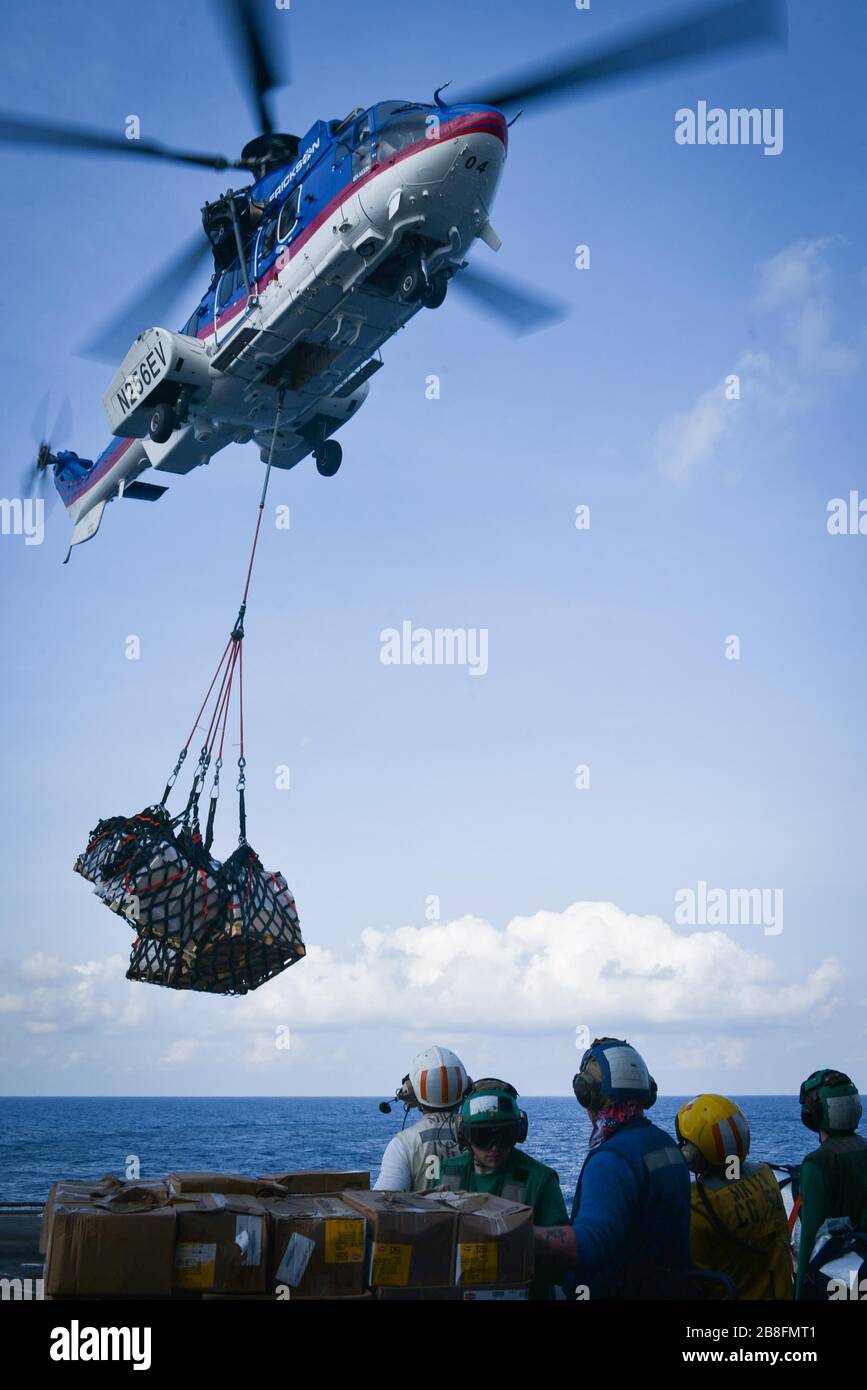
(144, 492)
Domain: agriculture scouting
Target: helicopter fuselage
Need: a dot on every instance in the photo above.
(341, 248)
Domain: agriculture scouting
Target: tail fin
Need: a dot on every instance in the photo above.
(86, 527)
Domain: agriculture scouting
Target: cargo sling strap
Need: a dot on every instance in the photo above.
(222, 928)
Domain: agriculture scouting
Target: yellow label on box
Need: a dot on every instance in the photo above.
(390, 1264)
(195, 1263)
(478, 1262)
(344, 1242)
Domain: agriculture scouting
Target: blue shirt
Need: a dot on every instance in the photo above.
(631, 1213)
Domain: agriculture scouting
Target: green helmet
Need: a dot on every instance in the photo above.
(830, 1102)
(491, 1102)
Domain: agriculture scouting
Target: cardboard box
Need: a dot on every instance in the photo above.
(303, 1182)
(228, 1184)
(410, 1238)
(221, 1244)
(97, 1253)
(72, 1193)
(317, 1247)
(494, 1239)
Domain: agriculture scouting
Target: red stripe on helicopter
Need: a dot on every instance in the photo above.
(70, 492)
(487, 123)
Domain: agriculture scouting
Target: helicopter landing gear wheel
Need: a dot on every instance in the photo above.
(434, 292)
(329, 457)
(162, 424)
(412, 284)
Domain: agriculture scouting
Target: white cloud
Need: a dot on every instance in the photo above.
(798, 303)
(592, 964)
(539, 974)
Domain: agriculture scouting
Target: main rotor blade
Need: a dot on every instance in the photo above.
(57, 136)
(253, 56)
(520, 309)
(111, 342)
(731, 25)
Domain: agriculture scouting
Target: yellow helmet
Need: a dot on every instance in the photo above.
(712, 1129)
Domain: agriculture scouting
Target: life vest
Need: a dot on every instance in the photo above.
(740, 1228)
(433, 1137)
(656, 1244)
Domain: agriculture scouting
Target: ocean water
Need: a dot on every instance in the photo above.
(45, 1138)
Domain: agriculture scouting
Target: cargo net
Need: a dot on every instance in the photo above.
(222, 928)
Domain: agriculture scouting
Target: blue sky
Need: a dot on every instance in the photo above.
(606, 646)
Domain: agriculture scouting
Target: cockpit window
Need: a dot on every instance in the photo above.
(289, 215)
(399, 124)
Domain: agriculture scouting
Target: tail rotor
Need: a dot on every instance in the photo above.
(35, 479)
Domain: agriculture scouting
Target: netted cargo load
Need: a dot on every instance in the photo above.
(255, 936)
(222, 928)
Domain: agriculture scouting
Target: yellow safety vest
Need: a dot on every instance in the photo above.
(739, 1227)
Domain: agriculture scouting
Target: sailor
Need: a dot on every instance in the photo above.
(629, 1236)
(738, 1222)
(834, 1176)
(435, 1083)
(490, 1127)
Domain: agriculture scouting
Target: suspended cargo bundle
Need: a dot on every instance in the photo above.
(223, 928)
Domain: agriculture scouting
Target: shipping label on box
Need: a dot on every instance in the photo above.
(221, 1244)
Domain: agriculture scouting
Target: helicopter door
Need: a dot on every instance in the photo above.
(232, 289)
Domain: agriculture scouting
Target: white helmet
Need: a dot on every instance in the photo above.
(439, 1078)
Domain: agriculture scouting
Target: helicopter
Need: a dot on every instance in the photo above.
(340, 239)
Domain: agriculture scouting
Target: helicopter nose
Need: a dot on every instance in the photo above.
(471, 123)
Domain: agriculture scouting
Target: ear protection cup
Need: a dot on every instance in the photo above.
(654, 1092)
(584, 1090)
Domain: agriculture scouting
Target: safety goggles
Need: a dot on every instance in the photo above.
(494, 1136)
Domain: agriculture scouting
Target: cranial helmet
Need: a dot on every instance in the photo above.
(438, 1078)
(611, 1072)
(830, 1102)
(710, 1130)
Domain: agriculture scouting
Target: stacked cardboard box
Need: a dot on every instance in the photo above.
(493, 1252)
(221, 1244)
(304, 1183)
(98, 1253)
(317, 1247)
(410, 1238)
(227, 1235)
(192, 1235)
